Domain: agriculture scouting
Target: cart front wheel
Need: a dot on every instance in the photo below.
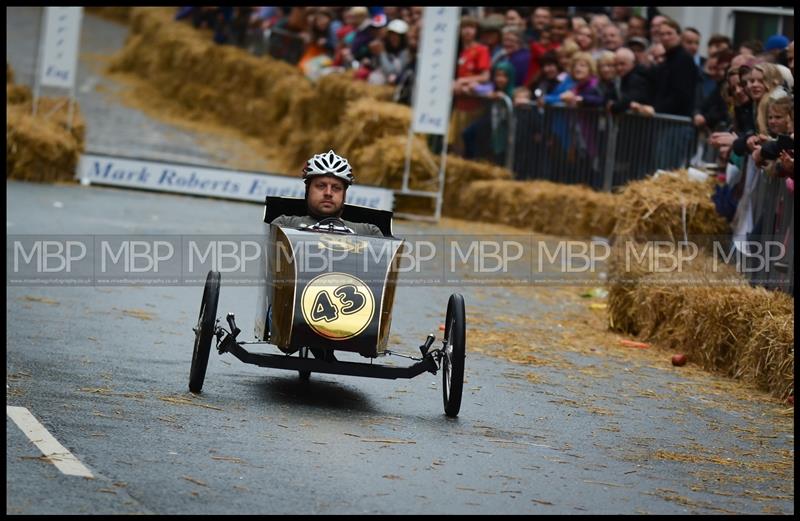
(455, 335)
(204, 332)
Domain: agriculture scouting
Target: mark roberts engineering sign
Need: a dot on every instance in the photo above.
(211, 182)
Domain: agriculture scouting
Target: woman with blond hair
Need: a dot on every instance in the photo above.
(765, 79)
(579, 88)
(606, 73)
(576, 131)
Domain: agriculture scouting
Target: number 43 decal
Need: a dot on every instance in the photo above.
(324, 309)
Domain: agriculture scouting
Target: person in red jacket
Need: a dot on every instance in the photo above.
(550, 40)
(472, 69)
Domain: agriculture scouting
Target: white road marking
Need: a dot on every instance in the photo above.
(50, 447)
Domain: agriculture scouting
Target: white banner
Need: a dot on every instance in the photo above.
(59, 47)
(436, 69)
(212, 182)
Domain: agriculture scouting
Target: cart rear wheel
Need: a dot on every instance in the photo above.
(455, 335)
(204, 332)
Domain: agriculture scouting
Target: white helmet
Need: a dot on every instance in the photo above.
(329, 164)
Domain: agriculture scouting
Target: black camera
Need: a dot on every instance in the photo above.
(772, 149)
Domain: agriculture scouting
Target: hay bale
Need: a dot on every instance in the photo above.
(768, 355)
(382, 163)
(655, 208)
(45, 147)
(365, 121)
(334, 92)
(16, 94)
(253, 94)
(39, 149)
(708, 311)
(541, 206)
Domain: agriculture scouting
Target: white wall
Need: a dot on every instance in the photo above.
(707, 20)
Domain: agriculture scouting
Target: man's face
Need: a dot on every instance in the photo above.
(612, 39)
(655, 25)
(559, 30)
(636, 27)
(691, 42)
(583, 37)
(541, 18)
(326, 196)
(623, 62)
(514, 19)
(657, 54)
(668, 36)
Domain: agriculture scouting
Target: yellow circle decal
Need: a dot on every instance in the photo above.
(337, 306)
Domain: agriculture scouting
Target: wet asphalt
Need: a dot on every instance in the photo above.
(105, 370)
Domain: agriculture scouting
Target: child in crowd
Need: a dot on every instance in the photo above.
(548, 78)
(522, 97)
(780, 121)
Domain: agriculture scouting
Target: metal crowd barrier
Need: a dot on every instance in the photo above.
(491, 135)
(592, 147)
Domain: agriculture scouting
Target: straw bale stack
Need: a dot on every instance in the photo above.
(382, 163)
(667, 206)
(708, 311)
(742, 332)
(41, 148)
(38, 148)
(365, 121)
(335, 91)
(253, 94)
(16, 94)
(768, 357)
(541, 206)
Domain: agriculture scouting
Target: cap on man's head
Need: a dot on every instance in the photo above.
(493, 22)
(397, 26)
(637, 41)
(776, 42)
(377, 17)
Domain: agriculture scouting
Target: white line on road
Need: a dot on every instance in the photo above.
(50, 447)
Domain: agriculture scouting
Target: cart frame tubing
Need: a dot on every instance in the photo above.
(427, 364)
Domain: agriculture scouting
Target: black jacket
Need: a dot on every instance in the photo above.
(634, 86)
(715, 109)
(674, 82)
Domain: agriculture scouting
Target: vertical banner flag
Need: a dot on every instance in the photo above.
(61, 36)
(435, 70)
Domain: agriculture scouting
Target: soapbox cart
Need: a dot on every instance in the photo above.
(328, 289)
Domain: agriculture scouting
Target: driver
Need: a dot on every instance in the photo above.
(327, 177)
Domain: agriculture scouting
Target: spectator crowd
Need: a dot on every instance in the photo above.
(619, 59)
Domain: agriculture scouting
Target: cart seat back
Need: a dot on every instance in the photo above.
(276, 206)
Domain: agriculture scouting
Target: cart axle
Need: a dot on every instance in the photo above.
(428, 364)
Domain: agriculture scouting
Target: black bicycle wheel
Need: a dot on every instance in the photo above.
(455, 335)
(204, 332)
